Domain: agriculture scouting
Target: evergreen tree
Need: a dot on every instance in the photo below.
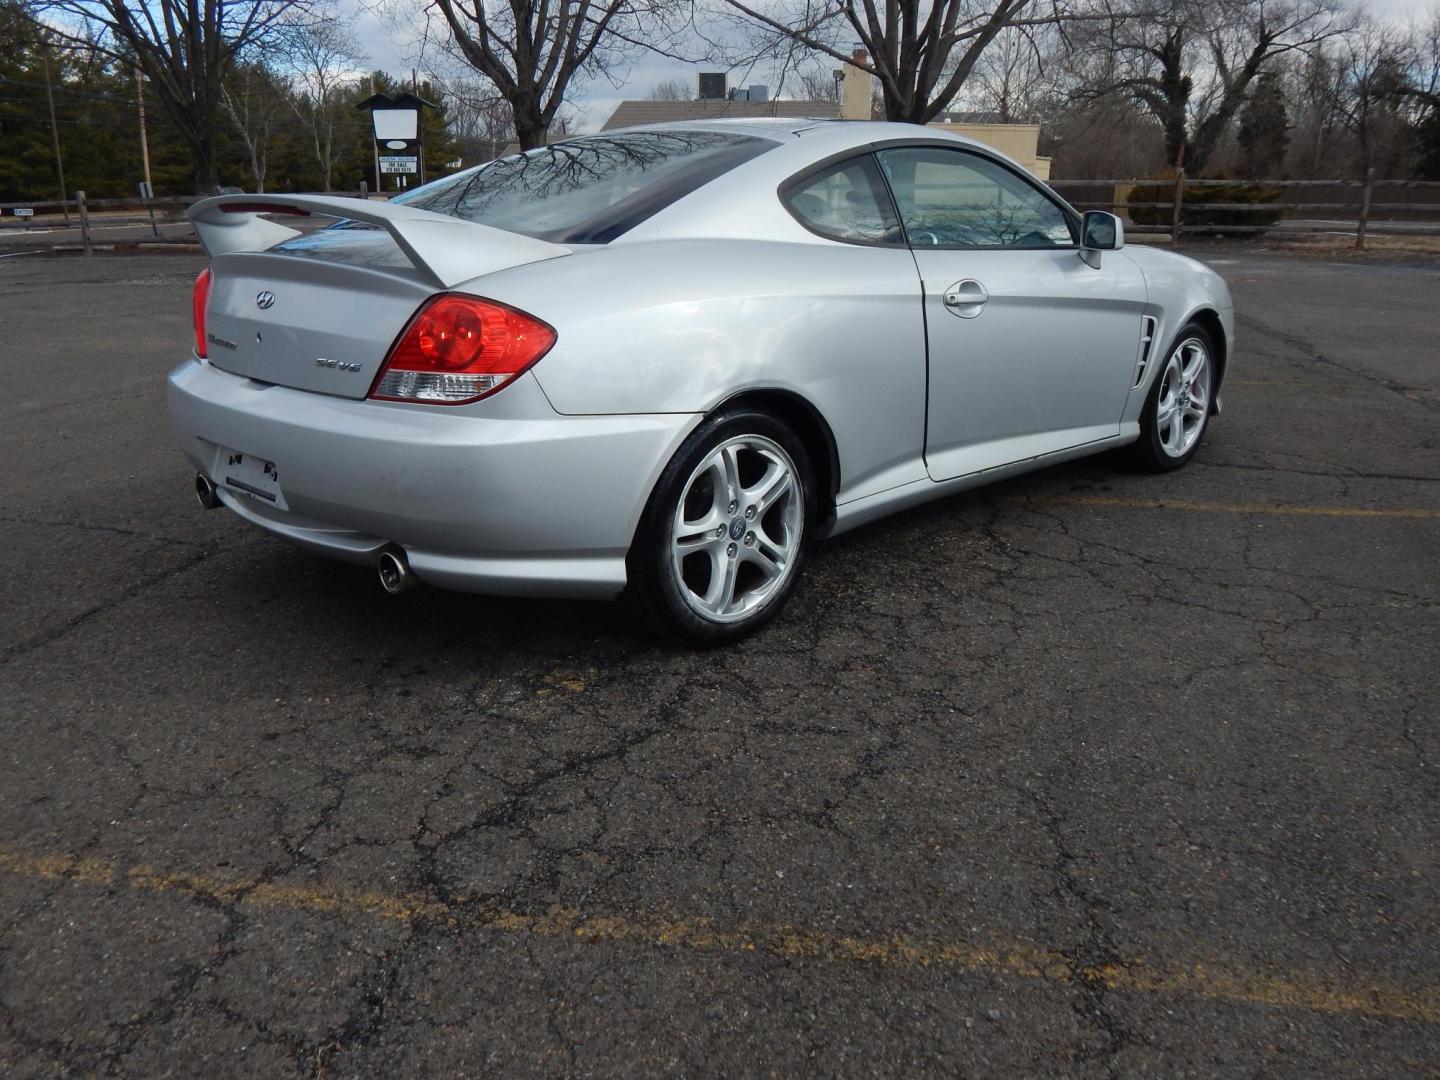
(1427, 147)
(1264, 129)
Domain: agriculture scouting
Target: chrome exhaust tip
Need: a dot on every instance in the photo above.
(205, 492)
(396, 576)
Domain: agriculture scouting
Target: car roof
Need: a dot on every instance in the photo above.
(740, 204)
(791, 128)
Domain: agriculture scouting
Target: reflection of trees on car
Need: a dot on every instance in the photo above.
(956, 198)
(993, 224)
(596, 182)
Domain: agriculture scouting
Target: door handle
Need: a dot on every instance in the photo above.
(966, 298)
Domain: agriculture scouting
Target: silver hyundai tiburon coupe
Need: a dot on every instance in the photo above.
(657, 363)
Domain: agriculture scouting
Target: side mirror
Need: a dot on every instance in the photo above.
(1099, 232)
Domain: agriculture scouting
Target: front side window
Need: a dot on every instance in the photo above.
(950, 198)
(845, 202)
(588, 191)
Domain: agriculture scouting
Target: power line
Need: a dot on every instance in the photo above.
(63, 89)
(6, 118)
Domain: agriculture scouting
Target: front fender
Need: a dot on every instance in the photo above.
(1180, 290)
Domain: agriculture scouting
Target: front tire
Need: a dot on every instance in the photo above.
(1177, 409)
(722, 539)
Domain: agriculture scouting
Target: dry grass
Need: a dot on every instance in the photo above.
(1333, 245)
(1379, 247)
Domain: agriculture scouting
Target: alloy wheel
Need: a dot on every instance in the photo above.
(737, 529)
(1184, 401)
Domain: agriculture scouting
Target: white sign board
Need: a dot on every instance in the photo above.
(24, 211)
(398, 164)
(396, 124)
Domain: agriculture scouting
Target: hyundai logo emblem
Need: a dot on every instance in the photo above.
(265, 299)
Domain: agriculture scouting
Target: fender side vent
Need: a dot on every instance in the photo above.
(1147, 342)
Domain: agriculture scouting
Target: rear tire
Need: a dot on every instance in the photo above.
(1177, 409)
(722, 539)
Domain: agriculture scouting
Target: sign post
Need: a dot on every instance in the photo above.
(146, 194)
(399, 136)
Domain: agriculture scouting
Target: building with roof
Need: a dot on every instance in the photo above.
(715, 101)
(636, 113)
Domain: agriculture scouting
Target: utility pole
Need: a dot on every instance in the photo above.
(144, 144)
(419, 126)
(375, 147)
(54, 130)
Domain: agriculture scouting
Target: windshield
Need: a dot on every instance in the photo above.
(587, 191)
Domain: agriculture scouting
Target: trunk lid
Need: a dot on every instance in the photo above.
(306, 324)
(319, 311)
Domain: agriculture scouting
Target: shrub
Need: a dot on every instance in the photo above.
(1258, 210)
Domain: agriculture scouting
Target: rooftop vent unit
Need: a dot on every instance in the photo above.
(750, 93)
(712, 86)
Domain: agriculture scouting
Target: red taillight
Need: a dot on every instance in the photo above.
(197, 309)
(458, 349)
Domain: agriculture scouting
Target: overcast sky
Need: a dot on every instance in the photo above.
(396, 51)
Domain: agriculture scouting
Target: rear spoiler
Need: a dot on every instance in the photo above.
(445, 249)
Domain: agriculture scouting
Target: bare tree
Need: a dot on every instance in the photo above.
(670, 90)
(1428, 60)
(819, 82)
(532, 52)
(323, 55)
(480, 119)
(921, 51)
(1191, 62)
(1315, 93)
(1377, 62)
(253, 99)
(1424, 100)
(184, 48)
(1422, 87)
(1013, 75)
(1110, 137)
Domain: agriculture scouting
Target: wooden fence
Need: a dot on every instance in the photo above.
(158, 214)
(1361, 205)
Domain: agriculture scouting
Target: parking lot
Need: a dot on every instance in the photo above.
(1084, 774)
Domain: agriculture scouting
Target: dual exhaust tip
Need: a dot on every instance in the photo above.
(392, 565)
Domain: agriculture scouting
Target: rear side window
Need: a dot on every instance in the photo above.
(845, 202)
(588, 191)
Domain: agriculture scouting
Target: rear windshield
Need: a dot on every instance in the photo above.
(591, 190)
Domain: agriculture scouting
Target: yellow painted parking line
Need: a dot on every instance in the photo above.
(1202, 507)
(1343, 993)
(1309, 384)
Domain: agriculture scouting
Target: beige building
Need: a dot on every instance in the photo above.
(635, 113)
(1018, 141)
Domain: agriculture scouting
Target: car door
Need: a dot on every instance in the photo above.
(1031, 350)
(862, 361)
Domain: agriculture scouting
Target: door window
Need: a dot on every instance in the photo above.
(845, 202)
(951, 198)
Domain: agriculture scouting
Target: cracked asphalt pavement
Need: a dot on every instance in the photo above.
(1085, 774)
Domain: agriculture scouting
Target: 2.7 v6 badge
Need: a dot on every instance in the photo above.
(336, 365)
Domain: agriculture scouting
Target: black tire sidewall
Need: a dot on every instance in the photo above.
(652, 585)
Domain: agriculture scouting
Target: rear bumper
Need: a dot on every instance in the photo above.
(505, 496)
